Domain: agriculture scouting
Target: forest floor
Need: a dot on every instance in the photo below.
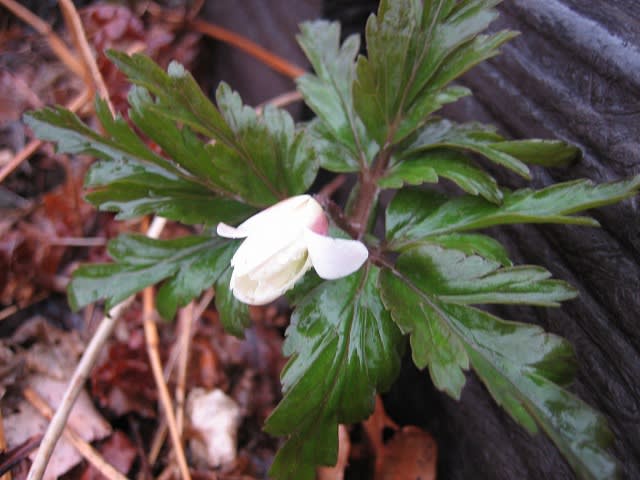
(220, 388)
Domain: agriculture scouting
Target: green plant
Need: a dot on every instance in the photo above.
(422, 281)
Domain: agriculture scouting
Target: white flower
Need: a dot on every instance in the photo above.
(281, 244)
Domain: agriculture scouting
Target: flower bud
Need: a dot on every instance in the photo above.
(281, 244)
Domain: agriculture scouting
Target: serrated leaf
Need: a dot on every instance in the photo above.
(416, 215)
(344, 348)
(181, 145)
(233, 314)
(409, 47)
(433, 342)
(132, 180)
(454, 166)
(179, 96)
(261, 159)
(455, 277)
(483, 140)
(134, 189)
(474, 243)
(189, 264)
(333, 155)
(521, 365)
(328, 92)
(269, 159)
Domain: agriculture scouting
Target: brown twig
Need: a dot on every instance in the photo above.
(55, 42)
(78, 241)
(151, 337)
(3, 446)
(185, 322)
(76, 104)
(75, 26)
(86, 450)
(80, 375)
(279, 101)
(273, 61)
(330, 188)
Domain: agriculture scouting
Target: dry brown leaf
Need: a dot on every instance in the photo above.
(48, 356)
(411, 454)
(374, 427)
(118, 451)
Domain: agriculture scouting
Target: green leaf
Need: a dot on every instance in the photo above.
(521, 365)
(455, 277)
(189, 264)
(333, 155)
(234, 315)
(269, 159)
(417, 215)
(328, 92)
(344, 348)
(454, 166)
(179, 96)
(433, 341)
(132, 180)
(474, 243)
(483, 140)
(134, 189)
(261, 159)
(413, 53)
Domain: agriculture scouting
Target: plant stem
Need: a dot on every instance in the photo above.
(368, 190)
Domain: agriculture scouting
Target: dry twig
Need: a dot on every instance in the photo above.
(55, 42)
(280, 101)
(273, 61)
(75, 26)
(80, 375)
(151, 337)
(3, 446)
(86, 450)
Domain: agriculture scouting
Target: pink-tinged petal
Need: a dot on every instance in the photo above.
(227, 231)
(334, 257)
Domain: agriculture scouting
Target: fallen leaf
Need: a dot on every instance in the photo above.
(214, 419)
(123, 381)
(118, 451)
(410, 454)
(374, 426)
(48, 356)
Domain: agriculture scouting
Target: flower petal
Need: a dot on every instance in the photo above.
(227, 231)
(334, 257)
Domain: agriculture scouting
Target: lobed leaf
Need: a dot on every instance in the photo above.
(454, 166)
(131, 179)
(189, 265)
(522, 366)
(416, 215)
(344, 348)
(178, 94)
(414, 51)
(260, 159)
(269, 159)
(483, 140)
(473, 243)
(328, 92)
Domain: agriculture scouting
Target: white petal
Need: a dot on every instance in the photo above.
(258, 250)
(227, 231)
(334, 257)
(299, 210)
